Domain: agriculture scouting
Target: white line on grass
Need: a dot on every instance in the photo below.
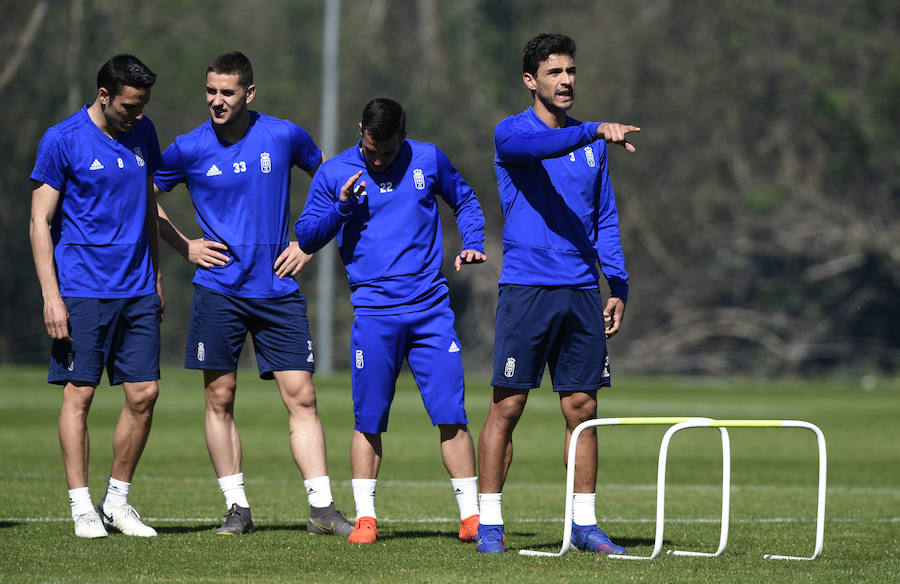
(456, 519)
(836, 489)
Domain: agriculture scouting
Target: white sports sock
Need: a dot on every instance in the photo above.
(584, 508)
(490, 508)
(364, 496)
(80, 500)
(318, 491)
(116, 493)
(466, 491)
(233, 488)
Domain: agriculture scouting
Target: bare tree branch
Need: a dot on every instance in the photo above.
(26, 38)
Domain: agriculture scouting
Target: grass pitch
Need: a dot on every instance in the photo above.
(773, 488)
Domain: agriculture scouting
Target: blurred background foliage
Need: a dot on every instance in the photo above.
(759, 216)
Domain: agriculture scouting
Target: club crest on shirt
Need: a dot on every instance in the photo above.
(589, 154)
(139, 155)
(419, 178)
(265, 162)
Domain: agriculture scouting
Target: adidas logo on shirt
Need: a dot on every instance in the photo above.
(454, 348)
(213, 171)
(95, 165)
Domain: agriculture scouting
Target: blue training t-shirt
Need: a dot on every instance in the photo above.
(558, 204)
(99, 229)
(241, 195)
(391, 242)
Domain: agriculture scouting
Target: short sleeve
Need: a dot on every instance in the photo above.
(51, 163)
(304, 152)
(171, 170)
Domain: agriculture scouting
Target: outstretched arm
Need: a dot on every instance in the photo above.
(516, 142)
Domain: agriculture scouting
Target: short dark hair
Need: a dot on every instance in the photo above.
(123, 70)
(542, 46)
(382, 118)
(233, 63)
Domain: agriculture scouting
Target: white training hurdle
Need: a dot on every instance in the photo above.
(676, 425)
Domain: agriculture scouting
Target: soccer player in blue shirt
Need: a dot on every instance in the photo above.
(94, 239)
(379, 199)
(237, 168)
(560, 221)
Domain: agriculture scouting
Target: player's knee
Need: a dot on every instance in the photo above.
(300, 398)
(142, 397)
(78, 397)
(219, 398)
(507, 408)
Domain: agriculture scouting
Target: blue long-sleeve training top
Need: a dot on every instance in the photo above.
(558, 204)
(390, 242)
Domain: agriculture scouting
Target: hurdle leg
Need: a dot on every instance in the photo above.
(726, 501)
(661, 487)
(820, 505)
(570, 487)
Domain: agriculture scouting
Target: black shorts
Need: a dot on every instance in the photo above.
(220, 323)
(559, 327)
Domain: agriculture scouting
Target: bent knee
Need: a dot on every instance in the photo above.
(142, 396)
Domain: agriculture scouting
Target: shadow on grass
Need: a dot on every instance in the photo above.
(416, 534)
(625, 542)
(8, 524)
(281, 527)
(176, 529)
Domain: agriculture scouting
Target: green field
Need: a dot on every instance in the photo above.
(772, 499)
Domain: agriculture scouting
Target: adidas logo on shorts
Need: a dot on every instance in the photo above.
(454, 348)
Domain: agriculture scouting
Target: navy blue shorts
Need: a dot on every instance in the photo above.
(220, 323)
(559, 327)
(378, 345)
(119, 334)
